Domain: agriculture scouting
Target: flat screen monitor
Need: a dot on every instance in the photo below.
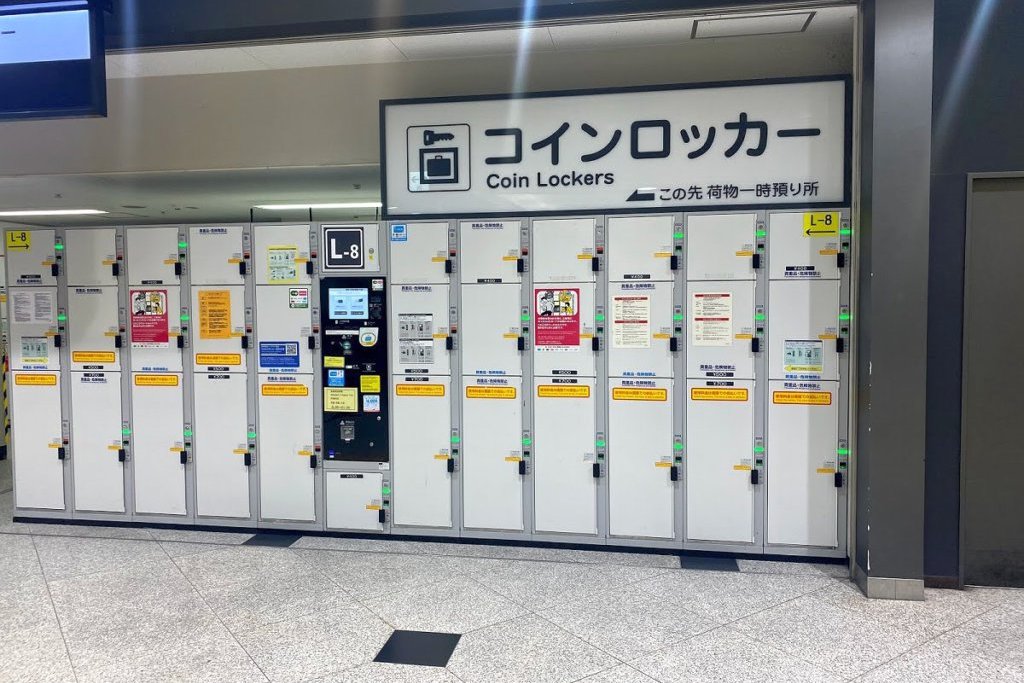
(349, 303)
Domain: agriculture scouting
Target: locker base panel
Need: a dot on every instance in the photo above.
(575, 539)
(225, 522)
(290, 526)
(155, 519)
(36, 515)
(101, 516)
(645, 543)
(424, 532)
(494, 534)
(796, 551)
(731, 548)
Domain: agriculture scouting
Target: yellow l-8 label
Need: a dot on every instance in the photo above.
(802, 398)
(35, 380)
(284, 390)
(718, 394)
(563, 391)
(821, 223)
(93, 356)
(490, 392)
(156, 380)
(419, 390)
(219, 359)
(19, 240)
(639, 394)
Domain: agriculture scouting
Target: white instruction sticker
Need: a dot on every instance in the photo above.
(711, 317)
(34, 307)
(631, 321)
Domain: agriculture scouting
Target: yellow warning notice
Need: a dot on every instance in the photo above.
(420, 390)
(19, 240)
(718, 394)
(826, 470)
(35, 380)
(513, 458)
(662, 463)
(639, 394)
(156, 380)
(214, 314)
(284, 390)
(802, 398)
(562, 391)
(93, 356)
(341, 400)
(490, 392)
(219, 359)
(374, 507)
(334, 361)
(821, 224)
(741, 468)
(743, 253)
(369, 384)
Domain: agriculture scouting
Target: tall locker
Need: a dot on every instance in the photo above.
(287, 459)
(36, 439)
(421, 444)
(220, 427)
(642, 348)
(158, 447)
(96, 441)
(492, 446)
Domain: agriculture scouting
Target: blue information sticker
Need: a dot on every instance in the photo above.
(335, 378)
(399, 233)
(279, 354)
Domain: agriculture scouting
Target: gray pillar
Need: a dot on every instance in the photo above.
(893, 281)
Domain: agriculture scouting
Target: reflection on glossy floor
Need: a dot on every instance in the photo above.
(96, 604)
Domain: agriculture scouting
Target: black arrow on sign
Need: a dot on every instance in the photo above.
(637, 196)
(808, 231)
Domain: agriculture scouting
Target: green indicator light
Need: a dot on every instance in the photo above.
(601, 443)
(677, 446)
(761, 233)
(61, 317)
(184, 317)
(59, 247)
(525, 318)
(251, 435)
(183, 245)
(386, 491)
(759, 316)
(677, 316)
(846, 231)
(759, 449)
(126, 432)
(677, 236)
(844, 316)
(188, 432)
(455, 439)
(527, 442)
(843, 451)
(599, 317)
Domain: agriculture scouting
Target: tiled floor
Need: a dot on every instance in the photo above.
(106, 605)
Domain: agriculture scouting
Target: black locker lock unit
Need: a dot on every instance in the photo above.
(354, 368)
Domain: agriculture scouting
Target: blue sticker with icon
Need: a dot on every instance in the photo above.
(335, 378)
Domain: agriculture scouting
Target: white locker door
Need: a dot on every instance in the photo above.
(90, 256)
(640, 248)
(563, 330)
(157, 444)
(33, 326)
(563, 249)
(492, 435)
(564, 454)
(35, 438)
(803, 430)
(151, 254)
(489, 330)
(489, 251)
(214, 255)
(96, 440)
(720, 326)
(418, 252)
(221, 426)
(287, 482)
(421, 413)
(218, 324)
(354, 500)
(640, 329)
(93, 328)
(798, 252)
(419, 329)
(802, 329)
(641, 493)
(30, 257)
(281, 254)
(151, 349)
(721, 246)
(719, 448)
(277, 327)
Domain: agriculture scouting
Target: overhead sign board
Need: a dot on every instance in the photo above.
(723, 146)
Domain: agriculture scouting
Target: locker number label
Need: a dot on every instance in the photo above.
(343, 248)
(821, 224)
(639, 394)
(802, 398)
(19, 240)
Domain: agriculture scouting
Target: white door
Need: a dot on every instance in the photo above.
(419, 329)
(220, 426)
(800, 250)
(35, 439)
(639, 322)
(720, 246)
(218, 325)
(96, 441)
(30, 256)
(719, 330)
(640, 248)
(563, 249)
(282, 332)
(489, 251)
(154, 325)
(803, 429)
(563, 330)
(803, 324)
(354, 500)
(719, 452)
(214, 255)
(287, 482)
(33, 328)
(151, 254)
(489, 330)
(158, 444)
(564, 455)
(93, 328)
(421, 413)
(418, 252)
(281, 254)
(90, 256)
(641, 493)
(492, 424)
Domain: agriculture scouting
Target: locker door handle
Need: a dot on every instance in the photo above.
(56, 341)
(595, 263)
(382, 516)
(184, 457)
(115, 269)
(755, 261)
(522, 467)
(241, 268)
(673, 344)
(755, 344)
(62, 453)
(245, 341)
(181, 341)
(837, 479)
(840, 344)
(117, 341)
(673, 262)
(755, 476)
(54, 269)
(311, 342)
(451, 464)
(595, 343)
(597, 470)
(309, 267)
(449, 266)
(177, 268)
(122, 455)
(841, 259)
(521, 343)
(673, 473)
(312, 462)
(520, 265)
(247, 459)
(449, 343)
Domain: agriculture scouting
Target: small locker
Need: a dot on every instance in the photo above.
(803, 246)
(36, 440)
(563, 330)
(94, 332)
(639, 322)
(641, 472)
(31, 257)
(218, 327)
(284, 329)
(158, 448)
(285, 448)
(803, 330)
(152, 256)
(281, 256)
(803, 424)
(96, 441)
(493, 462)
(221, 426)
(419, 329)
(640, 248)
(91, 257)
(720, 329)
(32, 321)
(154, 328)
(719, 459)
(489, 332)
(564, 250)
(419, 253)
(354, 500)
(721, 246)
(490, 251)
(421, 450)
(216, 255)
(565, 455)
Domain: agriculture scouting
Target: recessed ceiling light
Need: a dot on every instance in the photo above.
(52, 212)
(304, 207)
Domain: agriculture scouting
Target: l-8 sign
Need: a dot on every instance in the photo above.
(343, 248)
